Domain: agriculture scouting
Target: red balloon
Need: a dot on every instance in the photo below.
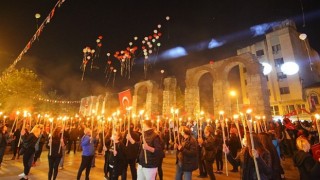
(100, 37)
(150, 37)
(111, 68)
(159, 34)
(211, 62)
(99, 45)
(109, 62)
(143, 47)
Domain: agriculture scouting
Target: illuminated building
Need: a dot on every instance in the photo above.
(279, 48)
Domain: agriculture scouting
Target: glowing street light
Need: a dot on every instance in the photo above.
(303, 37)
(290, 68)
(234, 94)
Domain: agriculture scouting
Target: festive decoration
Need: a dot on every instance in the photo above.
(126, 57)
(35, 36)
(57, 101)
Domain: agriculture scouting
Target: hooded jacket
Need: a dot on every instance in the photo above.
(309, 169)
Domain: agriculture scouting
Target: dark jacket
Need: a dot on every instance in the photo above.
(209, 149)
(153, 140)
(188, 155)
(117, 163)
(55, 147)
(131, 150)
(29, 141)
(4, 139)
(309, 169)
(74, 133)
(246, 163)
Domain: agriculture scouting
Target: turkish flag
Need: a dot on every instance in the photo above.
(125, 99)
(316, 151)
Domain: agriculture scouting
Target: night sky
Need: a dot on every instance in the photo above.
(57, 56)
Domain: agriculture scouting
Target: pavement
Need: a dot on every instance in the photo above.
(10, 169)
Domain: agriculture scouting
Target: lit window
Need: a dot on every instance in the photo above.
(275, 110)
(278, 62)
(314, 98)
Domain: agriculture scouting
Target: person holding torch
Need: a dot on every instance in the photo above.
(150, 152)
(253, 159)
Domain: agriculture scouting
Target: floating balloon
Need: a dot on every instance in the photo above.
(37, 16)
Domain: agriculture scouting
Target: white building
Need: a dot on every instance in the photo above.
(280, 46)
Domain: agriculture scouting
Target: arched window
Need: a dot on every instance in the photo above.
(314, 98)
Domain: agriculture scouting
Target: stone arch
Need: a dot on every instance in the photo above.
(256, 85)
(151, 100)
(192, 94)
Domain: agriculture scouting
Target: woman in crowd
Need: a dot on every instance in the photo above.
(219, 139)
(245, 159)
(39, 145)
(14, 142)
(54, 144)
(87, 145)
(106, 149)
(116, 157)
(28, 146)
(186, 160)
(3, 141)
(275, 159)
(209, 149)
(309, 168)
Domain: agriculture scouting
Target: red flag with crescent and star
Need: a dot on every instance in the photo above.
(125, 99)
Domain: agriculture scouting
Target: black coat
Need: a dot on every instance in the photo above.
(209, 149)
(131, 150)
(188, 155)
(153, 140)
(309, 169)
(29, 141)
(246, 163)
(55, 147)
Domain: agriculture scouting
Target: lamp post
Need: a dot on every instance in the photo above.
(234, 94)
(303, 37)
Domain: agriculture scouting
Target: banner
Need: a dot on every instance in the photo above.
(125, 99)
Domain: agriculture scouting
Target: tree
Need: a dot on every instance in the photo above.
(19, 89)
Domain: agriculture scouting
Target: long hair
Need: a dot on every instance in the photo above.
(257, 143)
(266, 141)
(56, 132)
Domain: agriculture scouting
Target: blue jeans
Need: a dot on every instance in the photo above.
(187, 175)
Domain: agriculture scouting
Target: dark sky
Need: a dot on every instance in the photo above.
(57, 55)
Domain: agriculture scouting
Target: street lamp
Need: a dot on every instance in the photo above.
(234, 94)
(303, 37)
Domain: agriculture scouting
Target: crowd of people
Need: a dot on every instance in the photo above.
(143, 146)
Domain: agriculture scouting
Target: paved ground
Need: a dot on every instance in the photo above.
(11, 168)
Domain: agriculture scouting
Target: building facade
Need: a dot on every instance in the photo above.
(285, 89)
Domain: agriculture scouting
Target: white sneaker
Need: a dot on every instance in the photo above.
(21, 175)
